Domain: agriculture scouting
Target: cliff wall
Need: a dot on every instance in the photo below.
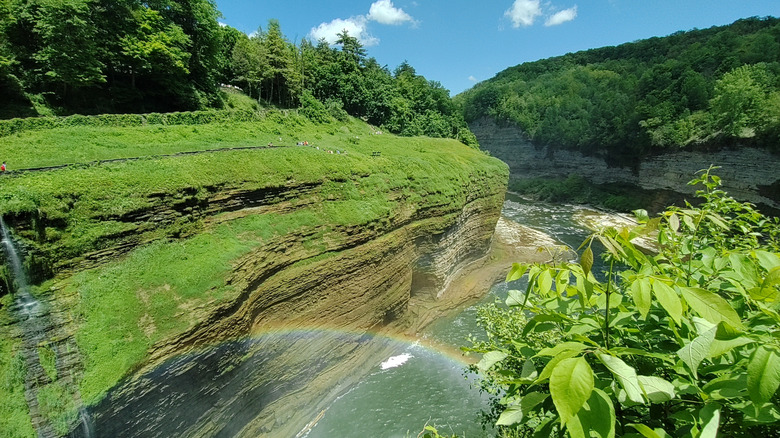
(361, 282)
(149, 358)
(748, 174)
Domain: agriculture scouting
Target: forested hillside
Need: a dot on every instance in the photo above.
(717, 86)
(60, 57)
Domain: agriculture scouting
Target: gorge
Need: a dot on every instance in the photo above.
(221, 266)
(749, 174)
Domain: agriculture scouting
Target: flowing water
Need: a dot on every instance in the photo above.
(28, 305)
(320, 383)
(37, 325)
(428, 388)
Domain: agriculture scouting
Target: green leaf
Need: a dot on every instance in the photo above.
(709, 420)
(640, 291)
(656, 389)
(688, 221)
(490, 359)
(515, 298)
(529, 370)
(674, 222)
(647, 432)
(717, 220)
(711, 306)
(697, 350)
(641, 215)
(767, 260)
(763, 414)
(562, 281)
(516, 272)
(625, 374)
(516, 412)
(511, 415)
(668, 299)
(768, 288)
(611, 246)
(545, 282)
(586, 260)
(763, 374)
(571, 385)
(595, 419)
(564, 346)
(719, 347)
(553, 363)
(532, 400)
(726, 387)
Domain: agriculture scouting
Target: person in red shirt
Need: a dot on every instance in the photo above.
(2, 168)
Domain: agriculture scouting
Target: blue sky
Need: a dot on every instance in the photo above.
(460, 42)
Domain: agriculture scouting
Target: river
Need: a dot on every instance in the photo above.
(418, 386)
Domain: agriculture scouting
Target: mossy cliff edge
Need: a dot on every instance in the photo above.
(152, 258)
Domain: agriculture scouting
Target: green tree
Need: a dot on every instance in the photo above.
(280, 64)
(68, 55)
(249, 64)
(740, 100)
(154, 47)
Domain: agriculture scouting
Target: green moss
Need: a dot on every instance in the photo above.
(48, 361)
(157, 291)
(58, 406)
(14, 415)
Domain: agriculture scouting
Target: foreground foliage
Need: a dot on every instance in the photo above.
(682, 342)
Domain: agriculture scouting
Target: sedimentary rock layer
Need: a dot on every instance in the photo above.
(748, 174)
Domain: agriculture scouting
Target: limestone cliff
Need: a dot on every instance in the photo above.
(366, 284)
(749, 174)
(352, 277)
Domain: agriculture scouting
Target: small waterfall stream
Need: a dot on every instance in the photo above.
(28, 305)
(41, 330)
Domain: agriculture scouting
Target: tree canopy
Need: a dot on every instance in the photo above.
(108, 56)
(714, 86)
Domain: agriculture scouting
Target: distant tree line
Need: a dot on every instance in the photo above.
(703, 87)
(124, 56)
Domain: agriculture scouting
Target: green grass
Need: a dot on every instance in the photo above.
(48, 360)
(158, 290)
(83, 144)
(57, 404)
(14, 415)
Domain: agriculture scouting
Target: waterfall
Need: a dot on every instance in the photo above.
(86, 423)
(37, 325)
(28, 305)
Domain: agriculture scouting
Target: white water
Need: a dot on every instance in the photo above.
(395, 361)
(26, 302)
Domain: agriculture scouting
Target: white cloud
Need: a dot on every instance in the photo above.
(383, 11)
(355, 26)
(472, 79)
(221, 24)
(562, 17)
(524, 12)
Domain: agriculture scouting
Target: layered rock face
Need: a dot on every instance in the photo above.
(748, 174)
(212, 381)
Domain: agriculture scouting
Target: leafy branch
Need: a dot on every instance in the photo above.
(679, 342)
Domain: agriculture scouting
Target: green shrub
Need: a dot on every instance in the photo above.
(680, 343)
(313, 109)
(15, 126)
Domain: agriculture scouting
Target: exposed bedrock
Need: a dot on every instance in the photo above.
(748, 174)
(227, 377)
